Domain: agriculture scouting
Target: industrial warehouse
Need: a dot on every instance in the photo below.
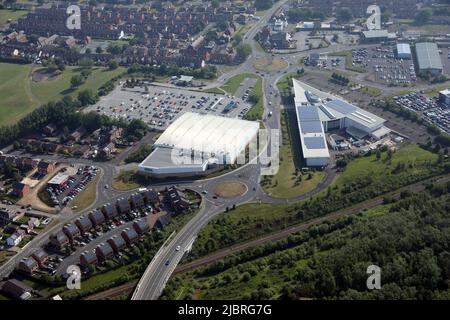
(428, 58)
(318, 113)
(195, 143)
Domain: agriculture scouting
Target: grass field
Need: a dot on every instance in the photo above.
(46, 91)
(19, 94)
(125, 181)
(289, 180)
(11, 14)
(270, 65)
(371, 91)
(234, 82)
(408, 154)
(15, 97)
(86, 197)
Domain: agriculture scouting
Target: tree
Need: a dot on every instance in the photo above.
(243, 50)
(344, 15)
(76, 81)
(423, 16)
(263, 4)
(86, 63)
(215, 3)
(88, 51)
(112, 65)
(87, 97)
(99, 49)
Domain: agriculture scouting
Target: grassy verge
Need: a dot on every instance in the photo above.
(257, 110)
(14, 15)
(86, 197)
(289, 180)
(234, 82)
(364, 178)
(127, 180)
(371, 91)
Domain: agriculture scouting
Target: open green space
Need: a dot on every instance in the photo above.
(371, 91)
(257, 110)
(15, 97)
(290, 181)
(6, 14)
(414, 158)
(20, 94)
(234, 82)
(127, 180)
(85, 198)
(363, 178)
(49, 90)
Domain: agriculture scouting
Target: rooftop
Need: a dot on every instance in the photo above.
(428, 56)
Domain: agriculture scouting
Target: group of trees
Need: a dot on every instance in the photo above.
(225, 231)
(243, 50)
(407, 240)
(140, 154)
(207, 72)
(263, 4)
(340, 79)
(65, 113)
(302, 14)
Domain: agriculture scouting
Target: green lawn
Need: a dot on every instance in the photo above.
(19, 94)
(46, 91)
(234, 82)
(408, 153)
(289, 180)
(126, 180)
(11, 14)
(15, 99)
(86, 197)
(232, 85)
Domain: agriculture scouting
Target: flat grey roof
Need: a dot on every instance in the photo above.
(162, 157)
(314, 142)
(428, 56)
(311, 126)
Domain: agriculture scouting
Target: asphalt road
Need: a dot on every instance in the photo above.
(157, 274)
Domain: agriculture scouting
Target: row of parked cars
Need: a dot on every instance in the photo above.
(63, 194)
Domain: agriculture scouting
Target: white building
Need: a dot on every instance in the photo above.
(194, 142)
(403, 51)
(444, 97)
(14, 239)
(428, 58)
(316, 116)
(279, 25)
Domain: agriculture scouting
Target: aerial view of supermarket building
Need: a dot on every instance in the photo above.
(195, 143)
(318, 113)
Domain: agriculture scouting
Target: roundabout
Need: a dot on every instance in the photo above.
(230, 189)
